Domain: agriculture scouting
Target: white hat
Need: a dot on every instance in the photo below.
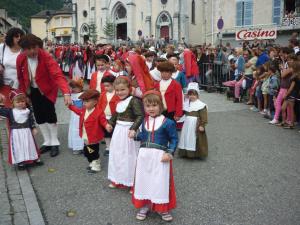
(152, 49)
(193, 86)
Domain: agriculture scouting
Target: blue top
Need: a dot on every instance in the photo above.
(262, 59)
(165, 136)
(240, 67)
(181, 79)
(273, 84)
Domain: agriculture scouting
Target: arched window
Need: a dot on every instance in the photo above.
(193, 12)
(121, 12)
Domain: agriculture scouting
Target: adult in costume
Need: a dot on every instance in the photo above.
(40, 78)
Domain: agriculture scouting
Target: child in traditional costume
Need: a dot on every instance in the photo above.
(92, 122)
(193, 140)
(171, 92)
(178, 75)
(75, 142)
(102, 63)
(108, 102)
(123, 148)
(154, 183)
(22, 147)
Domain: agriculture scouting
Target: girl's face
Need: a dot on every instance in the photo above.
(152, 110)
(122, 91)
(89, 103)
(101, 65)
(108, 87)
(19, 104)
(166, 75)
(192, 97)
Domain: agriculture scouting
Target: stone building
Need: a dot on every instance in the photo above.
(170, 19)
(7, 22)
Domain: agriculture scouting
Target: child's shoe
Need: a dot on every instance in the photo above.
(274, 121)
(112, 186)
(142, 214)
(95, 166)
(166, 216)
(254, 109)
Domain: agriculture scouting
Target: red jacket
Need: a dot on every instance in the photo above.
(93, 82)
(93, 124)
(190, 63)
(48, 75)
(173, 97)
(102, 103)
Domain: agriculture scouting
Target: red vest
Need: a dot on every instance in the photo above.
(102, 103)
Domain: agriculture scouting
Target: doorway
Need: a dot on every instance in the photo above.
(122, 31)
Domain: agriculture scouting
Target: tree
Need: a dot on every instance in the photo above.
(109, 29)
(93, 32)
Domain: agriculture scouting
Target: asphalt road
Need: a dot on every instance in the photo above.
(251, 177)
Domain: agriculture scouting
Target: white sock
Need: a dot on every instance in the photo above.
(45, 133)
(53, 134)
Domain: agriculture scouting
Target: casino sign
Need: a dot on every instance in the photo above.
(247, 34)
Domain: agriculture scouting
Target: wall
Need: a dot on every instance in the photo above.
(39, 27)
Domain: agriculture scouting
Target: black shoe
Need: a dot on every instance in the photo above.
(38, 163)
(44, 149)
(21, 166)
(106, 153)
(236, 100)
(54, 151)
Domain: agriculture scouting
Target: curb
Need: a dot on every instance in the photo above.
(33, 209)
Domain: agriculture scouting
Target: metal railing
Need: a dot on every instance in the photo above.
(212, 75)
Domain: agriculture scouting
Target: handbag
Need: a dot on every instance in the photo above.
(2, 68)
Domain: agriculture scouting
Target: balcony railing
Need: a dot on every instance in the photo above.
(290, 22)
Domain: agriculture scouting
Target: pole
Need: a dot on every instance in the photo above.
(212, 22)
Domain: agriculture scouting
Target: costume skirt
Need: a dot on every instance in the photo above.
(188, 134)
(122, 155)
(22, 146)
(75, 142)
(154, 182)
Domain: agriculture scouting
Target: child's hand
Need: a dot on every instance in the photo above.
(201, 129)
(131, 134)
(34, 131)
(108, 128)
(167, 157)
(176, 118)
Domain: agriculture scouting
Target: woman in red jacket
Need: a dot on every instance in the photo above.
(40, 78)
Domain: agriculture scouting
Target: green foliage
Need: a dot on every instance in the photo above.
(24, 9)
(109, 29)
(93, 32)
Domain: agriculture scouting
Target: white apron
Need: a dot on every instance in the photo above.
(22, 145)
(75, 142)
(122, 155)
(152, 176)
(188, 133)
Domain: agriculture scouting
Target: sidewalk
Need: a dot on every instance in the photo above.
(19, 205)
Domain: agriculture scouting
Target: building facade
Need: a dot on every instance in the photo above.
(169, 19)
(54, 25)
(7, 22)
(283, 16)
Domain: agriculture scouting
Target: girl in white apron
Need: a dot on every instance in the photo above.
(75, 142)
(123, 148)
(193, 139)
(22, 147)
(154, 187)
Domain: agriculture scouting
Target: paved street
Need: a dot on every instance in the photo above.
(250, 178)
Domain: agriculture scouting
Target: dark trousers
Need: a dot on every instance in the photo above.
(43, 108)
(91, 152)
